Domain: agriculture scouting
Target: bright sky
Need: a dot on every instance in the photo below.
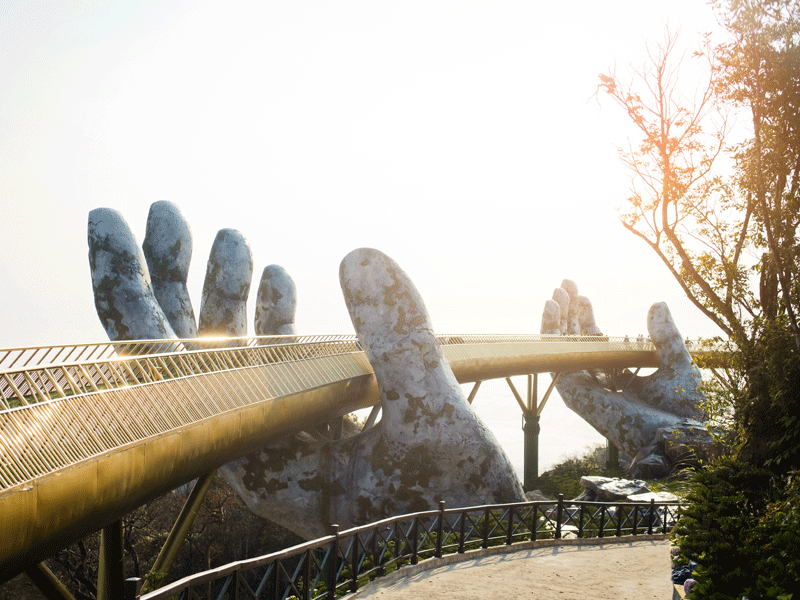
(459, 137)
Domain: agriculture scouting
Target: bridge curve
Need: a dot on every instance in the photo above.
(86, 441)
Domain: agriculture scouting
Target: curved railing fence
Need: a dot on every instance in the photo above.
(344, 561)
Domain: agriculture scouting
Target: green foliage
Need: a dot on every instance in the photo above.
(745, 544)
(770, 403)
(726, 502)
(777, 538)
(564, 478)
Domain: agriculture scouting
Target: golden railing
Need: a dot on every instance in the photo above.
(56, 414)
(32, 356)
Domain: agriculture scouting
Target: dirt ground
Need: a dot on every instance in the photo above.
(637, 570)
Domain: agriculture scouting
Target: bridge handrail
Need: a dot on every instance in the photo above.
(32, 384)
(341, 562)
(32, 356)
(145, 361)
(35, 374)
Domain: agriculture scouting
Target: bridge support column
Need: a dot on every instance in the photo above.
(111, 571)
(531, 411)
(531, 429)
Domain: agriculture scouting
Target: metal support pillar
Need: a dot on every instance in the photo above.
(531, 469)
(530, 427)
(179, 532)
(47, 582)
(111, 571)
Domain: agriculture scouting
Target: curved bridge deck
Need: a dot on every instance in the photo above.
(86, 437)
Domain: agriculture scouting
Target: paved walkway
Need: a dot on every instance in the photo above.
(636, 570)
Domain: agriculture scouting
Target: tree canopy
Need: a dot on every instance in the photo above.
(723, 215)
(728, 238)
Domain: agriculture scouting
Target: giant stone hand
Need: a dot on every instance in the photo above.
(655, 418)
(428, 446)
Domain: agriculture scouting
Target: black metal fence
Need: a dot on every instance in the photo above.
(342, 562)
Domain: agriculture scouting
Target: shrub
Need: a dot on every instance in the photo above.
(565, 477)
(726, 502)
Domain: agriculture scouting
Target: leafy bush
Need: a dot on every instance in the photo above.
(565, 477)
(727, 501)
(777, 539)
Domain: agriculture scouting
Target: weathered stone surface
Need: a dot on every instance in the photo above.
(586, 324)
(276, 303)
(608, 489)
(123, 294)
(631, 417)
(650, 462)
(223, 308)
(428, 445)
(537, 496)
(657, 496)
(573, 323)
(689, 441)
(551, 318)
(168, 249)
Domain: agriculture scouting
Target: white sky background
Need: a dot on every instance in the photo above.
(461, 138)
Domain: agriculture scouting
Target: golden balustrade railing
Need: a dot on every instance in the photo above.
(144, 362)
(56, 414)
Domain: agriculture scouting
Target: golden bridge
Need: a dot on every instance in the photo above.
(88, 433)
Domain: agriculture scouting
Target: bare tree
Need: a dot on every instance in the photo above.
(687, 215)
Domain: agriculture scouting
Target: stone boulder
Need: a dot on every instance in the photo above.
(608, 489)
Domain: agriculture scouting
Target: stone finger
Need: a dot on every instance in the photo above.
(276, 303)
(561, 297)
(123, 293)
(586, 322)
(168, 250)
(223, 308)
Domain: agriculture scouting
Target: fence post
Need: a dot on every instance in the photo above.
(377, 559)
(463, 533)
(620, 514)
(439, 530)
(635, 519)
(485, 542)
(133, 587)
(415, 541)
(601, 533)
(652, 516)
(333, 563)
(306, 575)
(559, 515)
(509, 534)
(580, 521)
(354, 565)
